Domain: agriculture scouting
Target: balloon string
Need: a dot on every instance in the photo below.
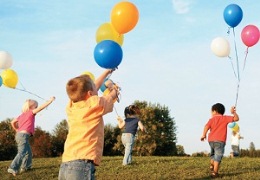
(245, 59)
(238, 75)
(24, 90)
(232, 66)
(237, 94)
(116, 111)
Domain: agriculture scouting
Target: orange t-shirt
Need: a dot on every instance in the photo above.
(218, 127)
(85, 139)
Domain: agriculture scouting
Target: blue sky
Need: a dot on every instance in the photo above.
(166, 59)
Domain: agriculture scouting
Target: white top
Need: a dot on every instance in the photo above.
(235, 139)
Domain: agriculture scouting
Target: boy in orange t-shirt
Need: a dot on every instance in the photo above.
(84, 144)
(217, 125)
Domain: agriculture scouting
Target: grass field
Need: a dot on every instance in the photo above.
(151, 168)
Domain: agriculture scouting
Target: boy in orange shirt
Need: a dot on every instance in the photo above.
(84, 144)
(217, 125)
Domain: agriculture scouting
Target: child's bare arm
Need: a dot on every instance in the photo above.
(141, 126)
(233, 111)
(121, 122)
(204, 135)
(44, 105)
(99, 81)
(14, 124)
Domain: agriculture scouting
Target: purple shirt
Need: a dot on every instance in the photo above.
(26, 122)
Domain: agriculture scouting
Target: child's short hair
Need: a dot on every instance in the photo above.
(219, 108)
(29, 104)
(78, 87)
(131, 110)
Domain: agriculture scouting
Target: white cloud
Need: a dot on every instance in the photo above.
(181, 6)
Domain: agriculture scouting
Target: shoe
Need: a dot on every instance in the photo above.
(214, 175)
(22, 170)
(11, 171)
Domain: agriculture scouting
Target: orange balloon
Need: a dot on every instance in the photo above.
(124, 17)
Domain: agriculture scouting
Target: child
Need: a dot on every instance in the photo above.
(131, 123)
(235, 141)
(24, 127)
(217, 125)
(85, 140)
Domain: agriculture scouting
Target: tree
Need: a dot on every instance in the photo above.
(110, 140)
(180, 150)
(41, 143)
(252, 149)
(8, 148)
(160, 138)
(58, 139)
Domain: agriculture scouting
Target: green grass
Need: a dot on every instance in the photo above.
(151, 168)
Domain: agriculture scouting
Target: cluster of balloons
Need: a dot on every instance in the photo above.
(110, 35)
(234, 126)
(8, 76)
(250, 34)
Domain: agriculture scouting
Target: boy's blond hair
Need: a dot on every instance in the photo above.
(29, 104)
(78, 87)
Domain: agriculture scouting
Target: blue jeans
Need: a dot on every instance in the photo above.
(23, 158)
(77, 170)
(217, 150)
(235, 150)
(128, 142)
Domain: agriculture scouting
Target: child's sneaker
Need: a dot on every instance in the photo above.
(11, 171)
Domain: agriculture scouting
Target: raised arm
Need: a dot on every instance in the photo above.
(233, 111)
(99, 81)
(44, 105)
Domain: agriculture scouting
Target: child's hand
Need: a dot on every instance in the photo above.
(52, 98)
(233, 110)
(203, 138)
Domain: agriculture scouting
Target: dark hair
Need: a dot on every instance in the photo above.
(219, 108)
(131, 110)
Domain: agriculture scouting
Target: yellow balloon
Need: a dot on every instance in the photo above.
(236, 128)
(10, 78)
(92, 77)
(107, 32)
(106, 92)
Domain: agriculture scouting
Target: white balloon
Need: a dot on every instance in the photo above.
(6, 60)
(220, 47)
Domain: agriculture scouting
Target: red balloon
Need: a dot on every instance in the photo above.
(250, 35)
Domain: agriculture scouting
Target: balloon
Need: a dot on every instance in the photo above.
(233, 15)
(5, 60)
(108, 54)
(235, 128)
(10, 78)
(124, 17)
(107, 32)
(231, 125)
(220, 47)
(92, 77)
(103, 86)
(106, 92)
(250, 35)
(1, 81)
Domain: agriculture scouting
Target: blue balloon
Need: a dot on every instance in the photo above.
(108, 54)
(231, 125)
(233, 15)
(103, 86)
(1, 81)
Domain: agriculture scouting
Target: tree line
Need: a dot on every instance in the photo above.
(159, 140)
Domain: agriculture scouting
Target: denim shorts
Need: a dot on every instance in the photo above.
(77, 170)
(217, 150)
